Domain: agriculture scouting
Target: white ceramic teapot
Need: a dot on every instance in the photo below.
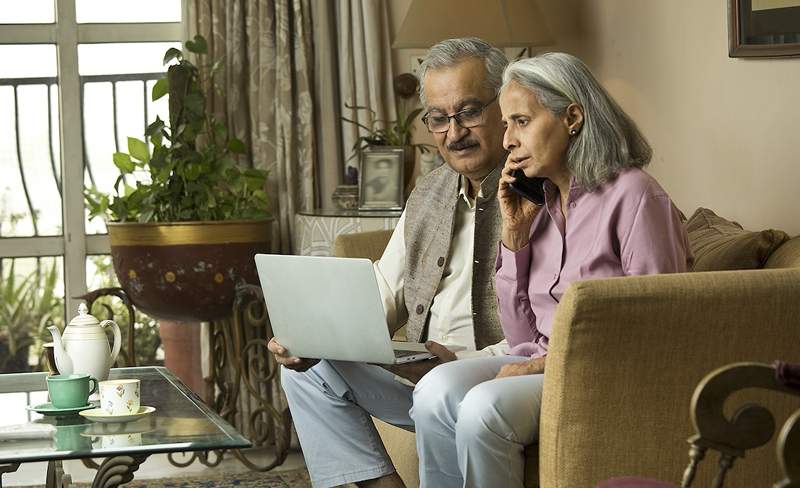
(84, 346)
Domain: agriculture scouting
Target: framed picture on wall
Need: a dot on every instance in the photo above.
(763, 28)
(381, 179)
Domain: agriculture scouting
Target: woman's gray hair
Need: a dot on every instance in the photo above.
(608, 140)
(452, 51)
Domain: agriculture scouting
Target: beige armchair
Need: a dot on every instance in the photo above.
(625, 356)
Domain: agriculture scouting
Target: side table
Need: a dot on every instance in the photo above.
(316, 230)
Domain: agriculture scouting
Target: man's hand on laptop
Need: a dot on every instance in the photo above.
(414, 371)
(292, 362)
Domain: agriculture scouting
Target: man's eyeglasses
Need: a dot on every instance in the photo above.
(467, 118)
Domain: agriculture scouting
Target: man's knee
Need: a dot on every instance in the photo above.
(289, 380)
(299, 383)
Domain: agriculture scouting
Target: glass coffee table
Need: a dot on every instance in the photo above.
(181, 422)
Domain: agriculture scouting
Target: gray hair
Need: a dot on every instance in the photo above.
(608, 141)
(452, 51)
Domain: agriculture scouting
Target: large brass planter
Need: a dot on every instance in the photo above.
(186, 271)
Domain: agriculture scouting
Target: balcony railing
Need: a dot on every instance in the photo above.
(50, 83)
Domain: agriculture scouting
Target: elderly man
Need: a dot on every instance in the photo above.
(436, 276)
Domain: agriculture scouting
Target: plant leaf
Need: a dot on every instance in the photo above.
(236, 146)
(160, 89)
(123, 162)
(139, 149)
(198, 45)
(172, 53)
(155, 127)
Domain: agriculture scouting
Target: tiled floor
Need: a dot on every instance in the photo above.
(156, 466)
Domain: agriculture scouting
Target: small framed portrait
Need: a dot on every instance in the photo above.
(381, 179)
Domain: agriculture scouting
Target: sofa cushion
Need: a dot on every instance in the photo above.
(787, 256)
(719, 244)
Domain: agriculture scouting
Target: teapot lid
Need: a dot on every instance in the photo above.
(84, 317)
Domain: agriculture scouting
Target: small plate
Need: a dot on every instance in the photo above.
(136, 427)
(99, 415)
(49, 409)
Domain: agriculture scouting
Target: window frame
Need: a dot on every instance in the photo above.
(74, 245)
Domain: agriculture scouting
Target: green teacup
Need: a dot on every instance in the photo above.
(70, 390)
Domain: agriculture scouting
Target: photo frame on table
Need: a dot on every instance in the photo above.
(381, 179)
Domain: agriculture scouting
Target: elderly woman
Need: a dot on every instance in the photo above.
(602, 216)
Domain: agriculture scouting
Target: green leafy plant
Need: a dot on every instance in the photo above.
(192, 172)
(379, 133)
(27, 306)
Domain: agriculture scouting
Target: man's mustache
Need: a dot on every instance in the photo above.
(462, 144)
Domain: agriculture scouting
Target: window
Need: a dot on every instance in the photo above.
(75, 79)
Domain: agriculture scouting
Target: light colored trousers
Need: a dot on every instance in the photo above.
(471, 429)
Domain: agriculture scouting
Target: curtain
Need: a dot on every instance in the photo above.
(266, 95)
(354, 68)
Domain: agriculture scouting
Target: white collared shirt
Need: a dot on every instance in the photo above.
(450, 320)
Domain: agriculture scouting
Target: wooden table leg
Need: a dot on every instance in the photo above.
(116, 471)
(7, 468)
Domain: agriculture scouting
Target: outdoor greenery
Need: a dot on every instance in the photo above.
(146, 339)
(192, 173)
(28, 305)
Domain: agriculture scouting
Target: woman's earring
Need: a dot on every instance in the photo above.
(572, 132)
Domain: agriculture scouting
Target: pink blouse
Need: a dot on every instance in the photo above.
(627, 226)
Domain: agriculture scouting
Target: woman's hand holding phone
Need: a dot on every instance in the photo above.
(517, 212)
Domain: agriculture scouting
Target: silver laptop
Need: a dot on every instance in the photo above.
(330, 308)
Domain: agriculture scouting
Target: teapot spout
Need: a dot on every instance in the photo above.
(63, 361)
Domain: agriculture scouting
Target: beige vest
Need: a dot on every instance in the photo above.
(430, 213)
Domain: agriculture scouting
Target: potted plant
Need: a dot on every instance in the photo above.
(184, 219)
(395, 133)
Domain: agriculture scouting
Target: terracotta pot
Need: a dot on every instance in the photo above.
(182, 353)
(186, 271)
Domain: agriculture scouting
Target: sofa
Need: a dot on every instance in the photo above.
(626, 353)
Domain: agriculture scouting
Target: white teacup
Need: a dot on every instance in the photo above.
(120, 397)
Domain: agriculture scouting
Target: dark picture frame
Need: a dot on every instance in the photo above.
(767, 33)
(381, 179)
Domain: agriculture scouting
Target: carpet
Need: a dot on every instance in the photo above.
(297, 478)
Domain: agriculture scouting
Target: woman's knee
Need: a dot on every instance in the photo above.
(436, 395)
(480, 413)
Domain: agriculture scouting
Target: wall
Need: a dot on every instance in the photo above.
(725, 132)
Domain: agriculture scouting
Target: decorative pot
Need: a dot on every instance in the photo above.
(346, 197)
(187, 271)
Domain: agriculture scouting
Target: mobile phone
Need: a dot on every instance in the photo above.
(529, 188)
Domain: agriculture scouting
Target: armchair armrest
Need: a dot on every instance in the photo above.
(626, 353)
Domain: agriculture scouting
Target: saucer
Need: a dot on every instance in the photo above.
(99, 415)
(49, 409)
(140, 426)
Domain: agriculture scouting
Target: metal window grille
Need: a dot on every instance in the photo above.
(69, 167)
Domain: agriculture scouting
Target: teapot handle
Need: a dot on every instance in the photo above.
(117, 341)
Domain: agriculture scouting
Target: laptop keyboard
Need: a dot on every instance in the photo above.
(402, 354)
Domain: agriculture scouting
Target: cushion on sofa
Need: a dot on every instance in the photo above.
(787, 256)
(719, 244)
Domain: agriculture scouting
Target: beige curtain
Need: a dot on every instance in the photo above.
(267, 94)
(354, 67)
(365, 66)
